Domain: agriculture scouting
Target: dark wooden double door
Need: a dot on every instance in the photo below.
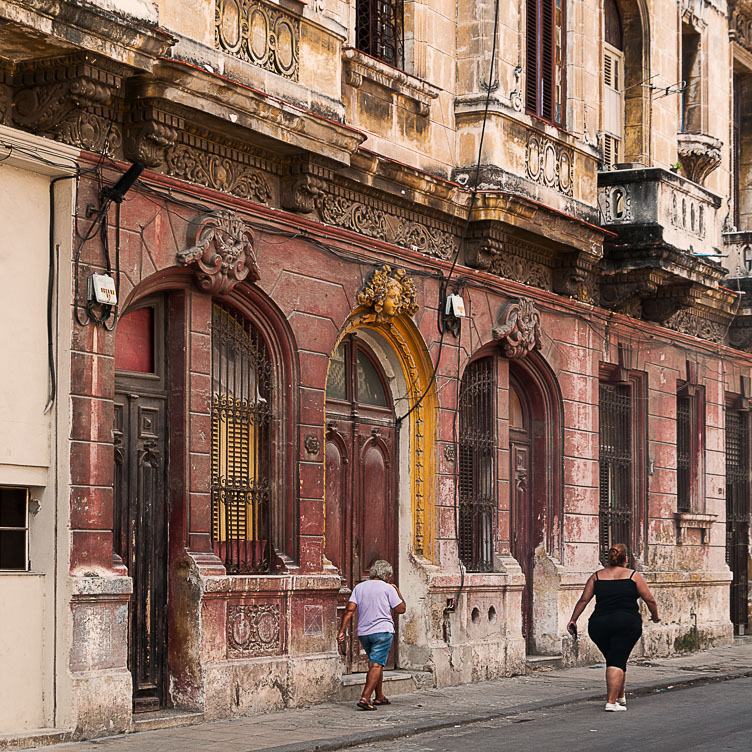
(361, 478)
(140, 496)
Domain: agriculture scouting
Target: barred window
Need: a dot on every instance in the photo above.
(477, 465)
(379, 30)
(241, 418)
(545, 64)
(616, 508)
(683, 453)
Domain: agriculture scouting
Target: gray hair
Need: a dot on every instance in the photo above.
(380, 570)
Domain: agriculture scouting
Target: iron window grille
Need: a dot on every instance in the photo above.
(379, 30)
(14, 528)
(241, 422)
(683, 453)
(477, 465)
(544, 62)
(616, 507)
(737, 511)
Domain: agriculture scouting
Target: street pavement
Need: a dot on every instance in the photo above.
(504, 701)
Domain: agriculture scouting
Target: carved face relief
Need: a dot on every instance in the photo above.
(388, 294)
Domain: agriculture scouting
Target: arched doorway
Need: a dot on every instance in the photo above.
(535, 489)
(361, 474)
(140, 492)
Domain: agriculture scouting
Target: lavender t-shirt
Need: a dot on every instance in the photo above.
(375, 600)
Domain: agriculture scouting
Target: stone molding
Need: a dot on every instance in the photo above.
(549, 163)
(259, 33)
(686, 521)
(518, 328)
(359, 66)
(222, 254)
(699, 154)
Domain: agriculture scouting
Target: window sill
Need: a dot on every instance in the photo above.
(686, 521)
(359, 67)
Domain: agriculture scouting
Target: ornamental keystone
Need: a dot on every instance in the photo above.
(388, 294)
(519, 328)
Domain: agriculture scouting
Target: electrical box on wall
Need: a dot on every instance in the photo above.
(102, 289)
(455, 306)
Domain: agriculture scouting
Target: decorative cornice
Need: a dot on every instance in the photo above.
(259, 33)
(388, 294)
(222, 253)
(519, 328)
(699, 155)
(359, 66)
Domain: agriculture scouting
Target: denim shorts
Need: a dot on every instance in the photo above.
(377, 646)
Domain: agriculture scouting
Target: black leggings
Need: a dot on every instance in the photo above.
(616, 634)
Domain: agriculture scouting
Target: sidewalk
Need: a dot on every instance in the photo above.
(341, 725)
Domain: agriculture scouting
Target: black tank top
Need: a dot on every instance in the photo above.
(615, 595)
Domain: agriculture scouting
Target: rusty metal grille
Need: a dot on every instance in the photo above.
(379, 30)
(616, 508)
(683, 453)
(241, 417)
(477, 472)
(737, 512)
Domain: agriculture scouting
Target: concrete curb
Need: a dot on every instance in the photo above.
(410, 729)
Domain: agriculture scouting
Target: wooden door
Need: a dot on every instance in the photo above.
(361, 499)
(140, 500)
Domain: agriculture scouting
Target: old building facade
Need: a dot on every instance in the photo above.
(286, 195)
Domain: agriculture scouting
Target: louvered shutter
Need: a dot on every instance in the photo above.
(547, 51)
(613, 105)
(531, 68)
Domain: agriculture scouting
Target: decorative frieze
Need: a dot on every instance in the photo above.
(519, 328)
(253, 630)
(549, 163)
(689, 322)
(261, 34)
(688, 214)
(222, 253)
(74, 99)
(388, 293)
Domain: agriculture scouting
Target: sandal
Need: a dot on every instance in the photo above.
(385, 701)
(365, 705)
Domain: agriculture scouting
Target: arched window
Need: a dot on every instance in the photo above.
(613, 86)
(477, 465)
(545, 64)
(242, 423)
(379, 30)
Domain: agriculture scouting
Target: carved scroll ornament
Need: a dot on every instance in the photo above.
(222, 254)
(519, 328)
(388, 294)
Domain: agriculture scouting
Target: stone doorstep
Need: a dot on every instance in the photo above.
(35, 738)
(168, 718)
(544, 663)
(396, 682)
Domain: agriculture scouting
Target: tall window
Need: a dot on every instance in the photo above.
(241, 418)
(379, 30)
(683, 453)
(613, 86)
(690, 449)
(693, 66)
(544, 74)
(616, 508)
(477, 465)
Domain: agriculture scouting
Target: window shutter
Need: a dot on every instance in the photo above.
(547, 52)
(531, 68)
(613, 106)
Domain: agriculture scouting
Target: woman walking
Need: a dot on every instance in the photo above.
(615, 625)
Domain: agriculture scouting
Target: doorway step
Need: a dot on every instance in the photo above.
(42, 737)
(396, 682)
(167, 718)
(535, 663)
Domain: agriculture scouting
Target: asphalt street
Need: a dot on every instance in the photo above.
(709, 717)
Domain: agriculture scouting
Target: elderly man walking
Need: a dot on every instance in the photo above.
(374, 599)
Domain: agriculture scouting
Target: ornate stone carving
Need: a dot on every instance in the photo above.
(740, 334)
(688, 322)
(515, 96)
(151, 131)
(389, 294)
(258, 33)
(670, 299)
(615, 204)
(740, 23)
(624, 293)
(699, 155)
(521, 270)
(312, 444)
(222, 253)
(450, 453)
(573, 277)
(217, 172)
(374, 222)
(254, 629)
(519, 328)
(549, 163)
(72, 99)
(6, 96)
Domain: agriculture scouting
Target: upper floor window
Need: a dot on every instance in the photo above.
(545, 83)
(613, 86)
(477, 465)
(14, 528)
(379, 30)
(241, 437)
(693, 115)
(690, 448)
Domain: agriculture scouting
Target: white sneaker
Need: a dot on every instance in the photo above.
(614, 707)
(621, 701)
